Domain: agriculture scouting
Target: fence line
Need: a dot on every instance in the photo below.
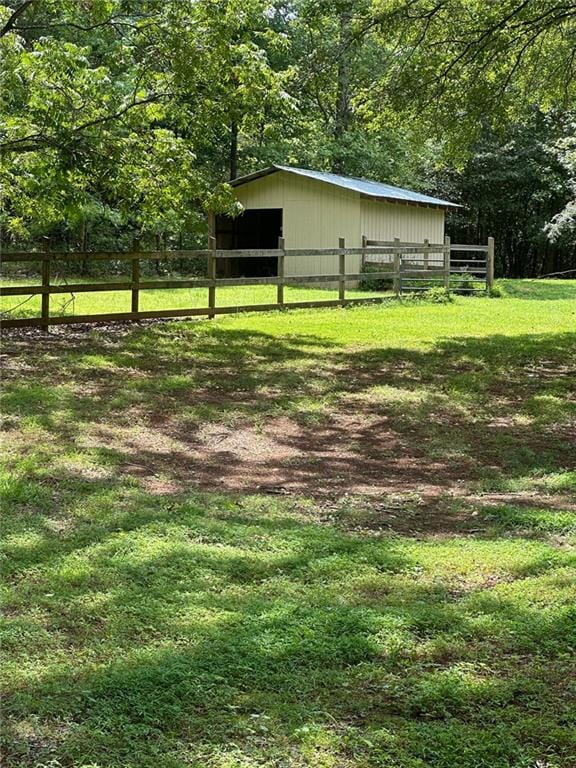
(250, 253)
(405, 260)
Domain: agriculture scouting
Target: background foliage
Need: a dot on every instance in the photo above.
(123, 118)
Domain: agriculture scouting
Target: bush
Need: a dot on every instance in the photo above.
(374, 283)
(465, 283)
(435, 295)
(438, 295)
(497, 291)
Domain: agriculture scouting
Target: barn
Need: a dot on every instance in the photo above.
(312, 209)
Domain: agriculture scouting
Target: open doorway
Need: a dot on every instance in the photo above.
(254, 228)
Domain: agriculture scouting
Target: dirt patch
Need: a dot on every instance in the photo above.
(345, 456)
(365, 476)
(372, 425)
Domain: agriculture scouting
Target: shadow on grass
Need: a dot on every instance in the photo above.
(170, 629)
(471, 407)
(467, 408)
(207, 629)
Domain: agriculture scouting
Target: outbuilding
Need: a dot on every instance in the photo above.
(312, 209)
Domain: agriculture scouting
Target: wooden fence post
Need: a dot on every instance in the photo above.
(280, 270)
(211, 275)
(426, 253)
(447, 256)
(397, 279)
(135, 277)
(342, 271)
(364, 246)
(46, 291)
(490, 265)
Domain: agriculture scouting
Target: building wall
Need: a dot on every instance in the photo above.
(316, 215)
(410, 223)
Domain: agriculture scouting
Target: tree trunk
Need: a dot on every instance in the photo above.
(157, 261)
(342, 112)
(85, 267)
(233, 150)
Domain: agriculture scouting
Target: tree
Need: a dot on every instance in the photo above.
(334, 60)
(95, 94)
(122, 117)
(462, 62)
(511, 187)
(562, 226)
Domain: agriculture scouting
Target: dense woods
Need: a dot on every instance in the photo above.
(124, 118)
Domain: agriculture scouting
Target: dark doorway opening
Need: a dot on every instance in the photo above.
(255, 228)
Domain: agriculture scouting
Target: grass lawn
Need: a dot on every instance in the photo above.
(181, 298)
(313, 539)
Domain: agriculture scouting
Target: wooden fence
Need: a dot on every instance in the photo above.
(409, 266)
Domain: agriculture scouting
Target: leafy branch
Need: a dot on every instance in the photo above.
(38, 141)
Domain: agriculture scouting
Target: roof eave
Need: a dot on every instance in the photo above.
(420, 203)
(252, 176)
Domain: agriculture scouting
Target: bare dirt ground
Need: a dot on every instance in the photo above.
(386, 476)
(406, 469)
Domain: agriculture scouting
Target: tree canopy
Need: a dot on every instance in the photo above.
(121, 117)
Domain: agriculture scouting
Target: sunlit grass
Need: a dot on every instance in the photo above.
(105, 302)
(101, 302)
(154, 621)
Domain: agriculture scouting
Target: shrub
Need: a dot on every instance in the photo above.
(374, 283)
(438, 295)
(497, 291)
(463, 284)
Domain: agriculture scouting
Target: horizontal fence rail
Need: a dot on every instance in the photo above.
(406, 266)
(269, 253)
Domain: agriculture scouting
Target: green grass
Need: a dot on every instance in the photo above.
(182, 298)
(408, 603)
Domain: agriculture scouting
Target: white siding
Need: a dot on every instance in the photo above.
(316, 215)
(410, 223)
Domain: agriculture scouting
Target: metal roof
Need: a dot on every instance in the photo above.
(366, 188)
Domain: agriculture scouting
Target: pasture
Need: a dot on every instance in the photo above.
(178, 298)
(337, 538)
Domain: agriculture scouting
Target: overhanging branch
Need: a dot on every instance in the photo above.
(37, 141)
(13, 18)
